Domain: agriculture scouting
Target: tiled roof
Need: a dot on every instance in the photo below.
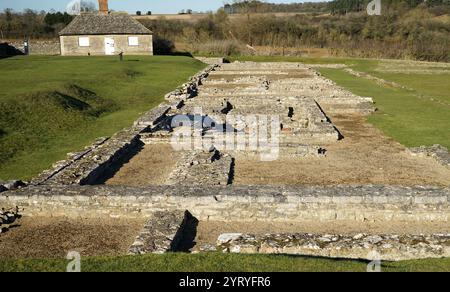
(104, 24)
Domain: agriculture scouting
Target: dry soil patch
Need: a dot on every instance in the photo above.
(151, 166)
(364, 156)
(55, 237)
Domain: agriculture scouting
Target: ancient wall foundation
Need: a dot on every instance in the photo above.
(392, 247)
(247, 204)
(164, 232)
(437, 152)
(202, 179)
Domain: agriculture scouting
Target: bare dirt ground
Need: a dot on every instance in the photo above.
(364, 156)
(209, 231)
(55, 237)
(151, 166)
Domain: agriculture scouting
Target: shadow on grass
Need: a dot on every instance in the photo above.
(177, 54)
(313, 258)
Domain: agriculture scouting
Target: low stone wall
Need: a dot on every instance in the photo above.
(210, 60)
(204, 168)
(247, 203)
(190, 89)
(11, 185)
(8, 218)
(164, 232)
(361, 246)
(38, 47)
(378, 80)
(92, 165)
(437, 152)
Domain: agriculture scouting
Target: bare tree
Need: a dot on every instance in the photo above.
(8, 20)
(1, 29)
(88, 6)
(78, 6)
(248, 7)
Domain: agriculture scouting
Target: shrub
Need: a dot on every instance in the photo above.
(218, 48)
(162, 46)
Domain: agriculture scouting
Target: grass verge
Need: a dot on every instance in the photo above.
(218, 262)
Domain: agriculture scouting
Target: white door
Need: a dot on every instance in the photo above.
(109, 46)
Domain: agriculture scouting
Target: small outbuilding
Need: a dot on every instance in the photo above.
(105, 33)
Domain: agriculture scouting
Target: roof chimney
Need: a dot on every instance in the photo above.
(103, 6)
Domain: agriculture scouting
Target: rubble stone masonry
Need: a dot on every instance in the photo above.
(246, 203)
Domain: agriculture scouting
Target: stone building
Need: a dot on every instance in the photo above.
(105, 33)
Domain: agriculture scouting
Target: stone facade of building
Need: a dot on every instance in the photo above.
(105, 34)
(70, 45)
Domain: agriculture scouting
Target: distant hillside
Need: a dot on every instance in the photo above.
(263, 7)
(421, 32)
(200, 16)
(346, 6)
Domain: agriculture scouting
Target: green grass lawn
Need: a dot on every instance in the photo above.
(54, 105)
(401, 114)
(218, 262)
(411, 116)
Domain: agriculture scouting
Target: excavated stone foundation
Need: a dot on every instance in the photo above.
(216, 113)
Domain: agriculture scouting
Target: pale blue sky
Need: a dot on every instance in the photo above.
(156, 6)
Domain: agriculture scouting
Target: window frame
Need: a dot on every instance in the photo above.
(84, 42)
(134, 44)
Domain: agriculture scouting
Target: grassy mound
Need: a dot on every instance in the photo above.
(54, 105)
(30, 121)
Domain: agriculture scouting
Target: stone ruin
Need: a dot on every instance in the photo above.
(169, 231)
(8, 218)
(202, 181)
(390, 247)
(437, 152)
(294, 92)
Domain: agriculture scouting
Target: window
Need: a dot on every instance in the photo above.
(83, 42)
(133, 41)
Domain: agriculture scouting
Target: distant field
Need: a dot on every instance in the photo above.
(218, 262)
(416, 115)
(54, 105)
(196, 17)
(183, 17)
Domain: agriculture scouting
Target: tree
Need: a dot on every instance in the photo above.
(8, 19)
(76, 7)
(87, 6)
(248, 7)
(138, 13)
